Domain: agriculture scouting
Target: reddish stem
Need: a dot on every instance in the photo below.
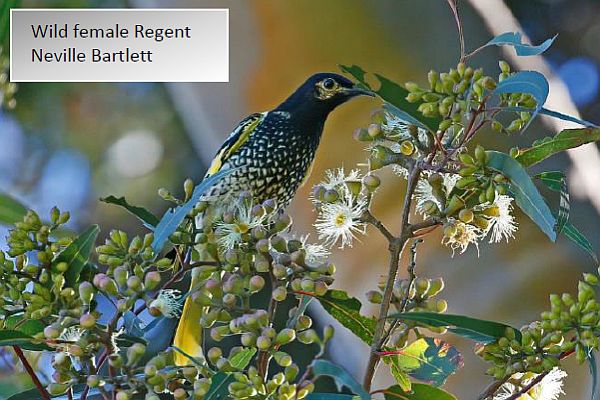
(31, 372)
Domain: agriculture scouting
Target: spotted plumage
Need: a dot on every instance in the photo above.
(272, 153)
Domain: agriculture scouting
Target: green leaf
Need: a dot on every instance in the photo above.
(77, 254)
(243, 358)
(218, 388)
(341, 377)
(11, 210)
(346, 310)
(395, 95)
(420, 391)
(34, 394)
(531, 82)
(29, 327)
(570, 231)
(476, 329)
(10, 337)
(401, 377)
(144, 215)
(171, 220)
(526, 195)
(564, 140)
(514, 39)
(429, 360)
(557, 181)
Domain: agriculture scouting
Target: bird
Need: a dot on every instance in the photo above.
(271, 155)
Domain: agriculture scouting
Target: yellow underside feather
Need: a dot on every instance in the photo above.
(188, 336)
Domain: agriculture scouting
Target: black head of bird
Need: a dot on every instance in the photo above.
(320, 94)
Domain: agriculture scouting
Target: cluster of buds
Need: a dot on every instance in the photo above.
(30, 262)
(132, 273)
(451, 93)
(457, 93)
(281, 386)
(393, 141)
(420, 296)
(570, 326)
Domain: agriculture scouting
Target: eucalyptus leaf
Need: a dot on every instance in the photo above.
(346, 310)
(341, 377)
(175, 216)
(429, 360)
(149, 219)
(11, 210)
(480, 330)
(564, 140)
(10, 337)
(220, 381)
(515, 40)
(395, 97)
(420, 391)
(557, 181)
(531, 82)
(526, 195)
(77, 254)
(401, 377)
(571, 232)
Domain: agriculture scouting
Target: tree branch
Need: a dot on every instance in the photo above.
(396, 245)
(31, 373)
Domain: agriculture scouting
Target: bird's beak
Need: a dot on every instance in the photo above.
(357, 91)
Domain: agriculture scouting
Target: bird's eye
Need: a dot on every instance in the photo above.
(328, 83)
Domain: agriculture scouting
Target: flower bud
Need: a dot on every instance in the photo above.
(285, 336)
(282, 359)
(374, 130)
(152, 280)
(87, 321)
(256, 283)
(279, 293)
(283, 222)
(374, 296)
(263, 343)
(308, 336)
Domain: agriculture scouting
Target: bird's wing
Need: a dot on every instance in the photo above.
(188, 335)
(236, 139)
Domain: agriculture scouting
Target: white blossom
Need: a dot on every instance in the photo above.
(167, 302)
(341, 220)
(424, 190)
(230, 234)
(337, 177)
(502, 226)
(550, 388)
(458, 235)
(71, 334)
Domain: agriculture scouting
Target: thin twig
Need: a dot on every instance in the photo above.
(396, 245)
(370, 219)
(454, 8)
(31, 373)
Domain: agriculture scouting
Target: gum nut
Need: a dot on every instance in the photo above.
(87, 321)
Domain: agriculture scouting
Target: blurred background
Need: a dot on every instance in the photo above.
(67, 144)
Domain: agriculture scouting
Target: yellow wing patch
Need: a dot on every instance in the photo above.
(238, 137)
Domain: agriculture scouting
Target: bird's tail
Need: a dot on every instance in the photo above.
(188, 335)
